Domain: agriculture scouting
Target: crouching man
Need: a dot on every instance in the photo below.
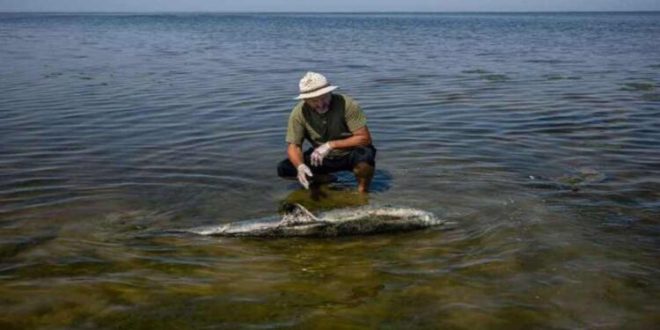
(337, 129)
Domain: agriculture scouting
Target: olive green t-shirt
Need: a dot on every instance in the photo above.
(342, 119)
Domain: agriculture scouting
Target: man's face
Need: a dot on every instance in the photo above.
(320, 104)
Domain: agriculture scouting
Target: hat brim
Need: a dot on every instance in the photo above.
(316, 93)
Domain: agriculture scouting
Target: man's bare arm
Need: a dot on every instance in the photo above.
(295, 154)
(361, 138)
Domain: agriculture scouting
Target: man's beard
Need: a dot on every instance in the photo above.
(324, 107)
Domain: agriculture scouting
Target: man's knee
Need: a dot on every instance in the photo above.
(363, 170)
(286, 170)
(364, 155)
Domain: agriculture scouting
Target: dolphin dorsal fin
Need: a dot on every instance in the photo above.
(296, 214)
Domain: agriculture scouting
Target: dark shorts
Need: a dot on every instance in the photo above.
(346, 163)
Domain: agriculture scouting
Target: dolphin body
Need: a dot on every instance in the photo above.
(298, 221)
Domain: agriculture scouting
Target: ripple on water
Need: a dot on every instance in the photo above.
(495, 77)
(13, 246)
(476, 71)
(638, 86)
(545, 61)
(398, 81)
(553, 77)
(653, 97)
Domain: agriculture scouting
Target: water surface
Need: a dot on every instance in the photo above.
(537, 133)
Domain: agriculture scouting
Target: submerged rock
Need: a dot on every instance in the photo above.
(581, 177)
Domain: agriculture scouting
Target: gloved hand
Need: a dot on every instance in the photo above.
(303, 173)
(320, 153)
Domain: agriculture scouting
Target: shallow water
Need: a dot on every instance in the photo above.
(537, 133)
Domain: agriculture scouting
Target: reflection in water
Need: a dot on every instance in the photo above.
(324, 197)
(339, 193)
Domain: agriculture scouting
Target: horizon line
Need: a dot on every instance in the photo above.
(326, 12)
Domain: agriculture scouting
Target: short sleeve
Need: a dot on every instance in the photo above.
(355, 118)
(295, 132)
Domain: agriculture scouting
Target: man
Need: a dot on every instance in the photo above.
(337, 129)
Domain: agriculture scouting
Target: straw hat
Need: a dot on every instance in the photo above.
(314, 84)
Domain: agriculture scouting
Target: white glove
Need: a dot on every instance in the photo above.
(303, 173)
(320, 153)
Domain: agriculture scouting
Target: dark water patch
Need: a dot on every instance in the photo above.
(174, 73)
(34, 194)
(175, 266)
(553, 77)
(485, 54)
(271, 70)
(450, 97)
(10, 248)
(357, 66)
(53, 74)
(653, 97)
(545, 61)
(538, 182)
(41, 201)
(397, 81)
(638, 86)
(80, 267)
(495, 77)
(428, 76)
(476, 71)
(581, 177)
(186, 310)
(616, 223)
(31, 182)
(582, 97)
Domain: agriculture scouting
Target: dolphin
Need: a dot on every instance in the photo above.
(298, 221)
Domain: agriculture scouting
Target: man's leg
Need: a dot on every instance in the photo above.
(286, 170)
(363, 174)
(364, 163)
